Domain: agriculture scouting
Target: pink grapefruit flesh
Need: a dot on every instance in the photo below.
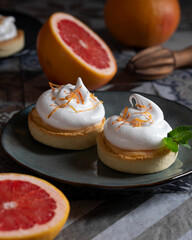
(19, 200)
(83, 44)
(30, 208)
(68, 49)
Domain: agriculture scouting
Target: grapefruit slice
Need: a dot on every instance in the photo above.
(68, 49)
(30, 208)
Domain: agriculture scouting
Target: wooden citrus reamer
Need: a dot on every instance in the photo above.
(157, 62)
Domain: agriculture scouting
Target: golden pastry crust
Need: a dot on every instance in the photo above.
(13, 45)
(64, 139)
(136, 162)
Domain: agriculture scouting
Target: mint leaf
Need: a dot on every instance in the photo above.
(180, 135)
(186, 145)
(183, 137)
(171, 144)
(177, 131)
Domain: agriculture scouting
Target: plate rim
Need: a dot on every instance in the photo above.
(90, 185)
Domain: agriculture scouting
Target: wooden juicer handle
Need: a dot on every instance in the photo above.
(157, 62)
(183, 58)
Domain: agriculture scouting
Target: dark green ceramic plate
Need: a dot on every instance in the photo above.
(83, 168)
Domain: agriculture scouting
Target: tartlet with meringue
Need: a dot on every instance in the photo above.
(133, 141)
(12, 40)
(67, 117)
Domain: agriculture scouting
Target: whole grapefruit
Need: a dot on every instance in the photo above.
(142, 23)
(68, 49)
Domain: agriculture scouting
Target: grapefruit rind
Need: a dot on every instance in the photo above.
(61, 65)
(55, 18)
(154, 23)
(46, 231)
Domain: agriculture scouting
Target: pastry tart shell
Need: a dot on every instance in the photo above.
(63, 139)
(136, 162)
(13, 45)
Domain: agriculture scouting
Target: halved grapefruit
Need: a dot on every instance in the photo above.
(68, 49)
(30, 208)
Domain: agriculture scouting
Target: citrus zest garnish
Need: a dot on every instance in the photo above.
(54, 110)
(72, 108)
(66, 92)
(53, 85)
(136, 122)
(125, 112)
(69, 97)
(141, 106)
(90, 108)
(82, 100)
(93, 97)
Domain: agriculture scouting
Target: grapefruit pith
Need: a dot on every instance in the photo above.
(30, 208)
(68, 49)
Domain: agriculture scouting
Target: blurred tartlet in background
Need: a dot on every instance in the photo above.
(12, 40)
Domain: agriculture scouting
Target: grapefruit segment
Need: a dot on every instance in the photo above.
(83, 44)
(68, 49)
(30, 208)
